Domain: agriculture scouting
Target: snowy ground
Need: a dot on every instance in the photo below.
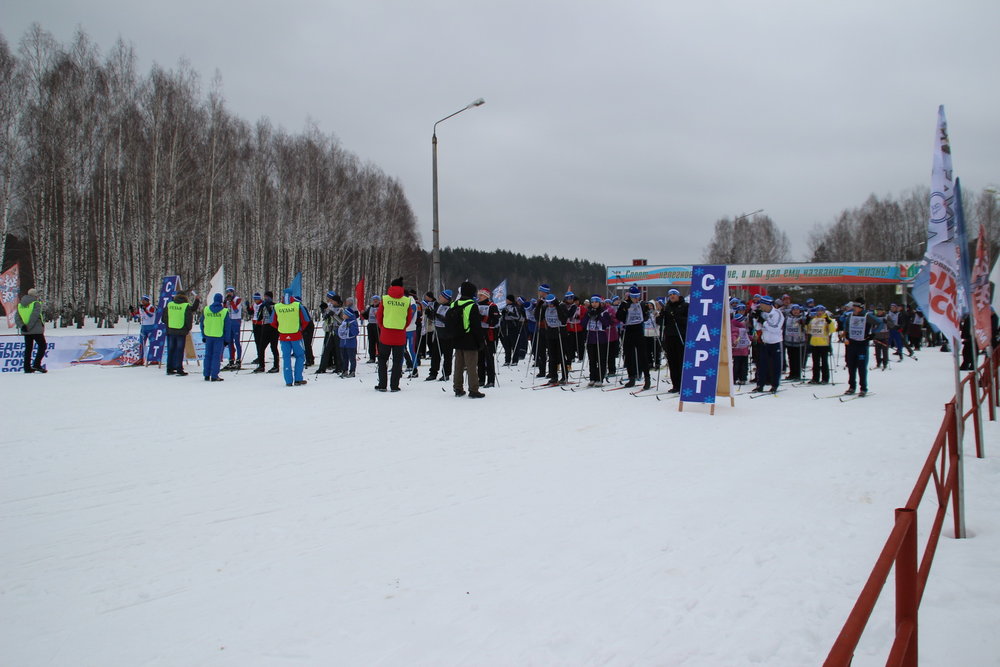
(152, 520)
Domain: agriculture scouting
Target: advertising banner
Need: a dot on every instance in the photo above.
(742, 275)
(76, 351)
(67, 351)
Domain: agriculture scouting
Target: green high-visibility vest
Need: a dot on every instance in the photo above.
(25, 311)
(175, 314)
(215, 323)
(466, 306)
(394, 312)
(288, 317)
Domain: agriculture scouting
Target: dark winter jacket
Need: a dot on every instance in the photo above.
(673, 319)
(34, 325)
(471, 339)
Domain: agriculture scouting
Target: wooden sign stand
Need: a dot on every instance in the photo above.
(724, 386)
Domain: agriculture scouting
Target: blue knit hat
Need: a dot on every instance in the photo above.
(145, 297)
(544, 288)
(767, 301)
(596, 298)
(550, 298)
(673, 291)
(230, 289)
(447, 293)
(330, 294)
(256, 295)
(634, 292)
(569, 295)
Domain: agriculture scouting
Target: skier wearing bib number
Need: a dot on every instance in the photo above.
(857, 331)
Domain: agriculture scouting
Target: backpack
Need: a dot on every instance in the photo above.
(454, 325)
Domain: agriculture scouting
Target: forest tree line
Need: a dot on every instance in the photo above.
(116, 179)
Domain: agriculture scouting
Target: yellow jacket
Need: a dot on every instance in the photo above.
(820, 329)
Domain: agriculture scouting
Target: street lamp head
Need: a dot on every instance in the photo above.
(477, 103)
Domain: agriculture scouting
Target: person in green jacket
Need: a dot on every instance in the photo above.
(28, 319)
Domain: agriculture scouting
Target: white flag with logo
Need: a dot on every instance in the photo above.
(500, 294)
(942, 253)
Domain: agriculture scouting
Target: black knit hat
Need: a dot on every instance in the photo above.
(398, 282)
(467, 290)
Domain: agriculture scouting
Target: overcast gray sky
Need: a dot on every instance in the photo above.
(611, 130)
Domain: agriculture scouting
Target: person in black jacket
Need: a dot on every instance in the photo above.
(268, 337)
(633, 314)
(673, 324)
(468, 341)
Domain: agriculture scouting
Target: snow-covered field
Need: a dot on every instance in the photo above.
(153, 520)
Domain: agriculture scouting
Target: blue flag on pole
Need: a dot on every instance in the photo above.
(703, 343)
(295, 287)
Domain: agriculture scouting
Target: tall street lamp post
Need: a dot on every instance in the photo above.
(436, 252)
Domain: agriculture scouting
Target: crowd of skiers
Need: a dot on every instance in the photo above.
(778, 339)
(772, 339)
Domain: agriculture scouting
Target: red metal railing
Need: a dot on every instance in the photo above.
(901, 548)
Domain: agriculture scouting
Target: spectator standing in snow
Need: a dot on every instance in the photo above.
(673, 324)
(290, 319)
(468, 341)
(179, 319)
(213, 329)
(394, 315)
(28, 320)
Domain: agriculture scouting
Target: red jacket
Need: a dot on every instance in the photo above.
(393, 336)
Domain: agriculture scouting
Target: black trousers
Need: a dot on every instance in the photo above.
(487, 363)
(673, 347)
(597, 353)
(634, 347)
(857, 364)
(307, 341)
(37, 340)
(555, 351)
(794, 355)
(268, 337)
(613, 349)
(384, 352)
(821, 363)
(372, 342)
(441, 354)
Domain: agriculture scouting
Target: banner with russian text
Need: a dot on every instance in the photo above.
(705, 332)
(158, 340)
(981, 292)
(943, 254)
(763, 275)
(10, 291)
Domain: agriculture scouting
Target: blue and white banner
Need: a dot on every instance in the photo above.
(500, 294)
(702, 344)
(157, 341)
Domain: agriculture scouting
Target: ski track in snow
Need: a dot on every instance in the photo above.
(158, 520)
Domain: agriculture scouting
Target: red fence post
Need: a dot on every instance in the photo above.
(904, 649)
(951, 412)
